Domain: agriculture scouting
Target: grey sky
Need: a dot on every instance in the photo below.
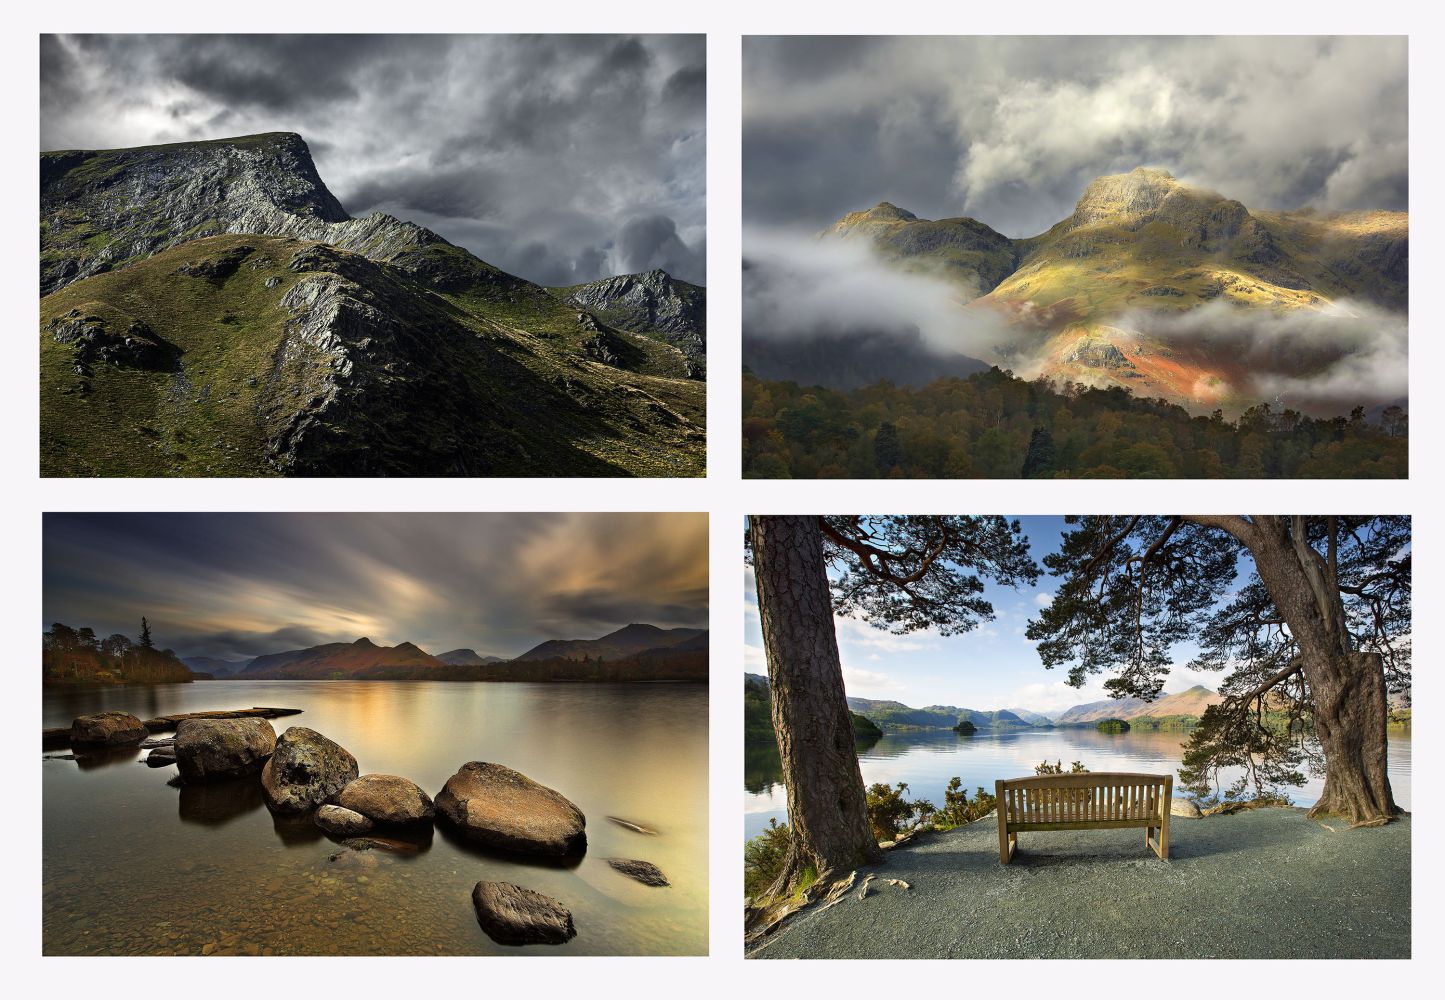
(1010, 130)
(238, 585)
(561, 158)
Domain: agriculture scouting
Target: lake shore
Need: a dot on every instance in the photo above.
(1268, 883)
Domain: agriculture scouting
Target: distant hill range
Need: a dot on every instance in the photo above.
(1174, 708)
(624, 642)
(893, 715)
(632, 653)
(1191, 703)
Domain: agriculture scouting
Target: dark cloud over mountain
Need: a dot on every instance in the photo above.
(237, 585)
(541, 154)
(1009, 130)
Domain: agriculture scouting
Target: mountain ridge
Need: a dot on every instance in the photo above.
(209, 308)
(1091, 299)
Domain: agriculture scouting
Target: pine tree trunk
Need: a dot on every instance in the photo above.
(1351, 715)
(827, 809)
(1347, 687)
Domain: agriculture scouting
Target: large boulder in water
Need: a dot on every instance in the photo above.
(513, 915)
(500, 808)
(342, 822)
(208, 749)
(388, 799)
(306, 770)
(108, 729)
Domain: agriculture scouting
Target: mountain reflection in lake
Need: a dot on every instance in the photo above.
(132, 866)
(927, 760)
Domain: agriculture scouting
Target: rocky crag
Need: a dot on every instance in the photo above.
(210, 309)
(653, 300)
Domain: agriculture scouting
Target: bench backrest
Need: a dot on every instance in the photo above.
(1085, 798)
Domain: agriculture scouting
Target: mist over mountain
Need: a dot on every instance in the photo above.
(1151, 284)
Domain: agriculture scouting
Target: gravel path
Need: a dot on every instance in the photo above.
(1262, 884)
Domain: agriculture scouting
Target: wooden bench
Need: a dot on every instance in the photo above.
(1084, 802)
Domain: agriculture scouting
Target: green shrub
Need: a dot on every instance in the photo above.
(1057, 767)
(887, 810)
(764, 856)
(958, 810)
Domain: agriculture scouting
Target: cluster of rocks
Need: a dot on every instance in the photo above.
(486, 804)
(94, 342)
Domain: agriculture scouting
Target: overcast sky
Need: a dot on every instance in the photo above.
(238, 585)
(1010, 130)
(559, 158)
(990, 668)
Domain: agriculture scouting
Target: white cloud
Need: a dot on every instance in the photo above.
(1044, 598)
(869, 684)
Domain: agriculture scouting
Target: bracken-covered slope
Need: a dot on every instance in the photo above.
(1087, 300)
(211, 310)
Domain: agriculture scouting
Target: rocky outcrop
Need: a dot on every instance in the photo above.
(387, 799)
(213, 749)
(1096, 355)
(306, 770)
(650, 302)
(504, 809)
(342, 822)
(97, 341)
(642, 871)
(107, 729)
(511, 914)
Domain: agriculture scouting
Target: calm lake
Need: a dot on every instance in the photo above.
(135, 867)
(926, 761)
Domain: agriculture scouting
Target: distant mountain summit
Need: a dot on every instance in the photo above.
(209, 308)
(625, 641)
(467, 658)
(1090, 300)
(652, 300)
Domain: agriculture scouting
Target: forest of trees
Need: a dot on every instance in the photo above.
(995, 426)
(79, 656)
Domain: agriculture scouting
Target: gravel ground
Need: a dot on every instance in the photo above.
(1262, 884)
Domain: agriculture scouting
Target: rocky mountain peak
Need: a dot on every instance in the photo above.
(887, 211)
(649, 302)
(1140, 192)
(103, 209)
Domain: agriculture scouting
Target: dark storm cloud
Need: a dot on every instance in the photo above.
(535, 152)
(1010, 130)
(238, 585)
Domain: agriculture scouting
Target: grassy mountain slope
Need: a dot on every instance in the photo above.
(213, 311)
